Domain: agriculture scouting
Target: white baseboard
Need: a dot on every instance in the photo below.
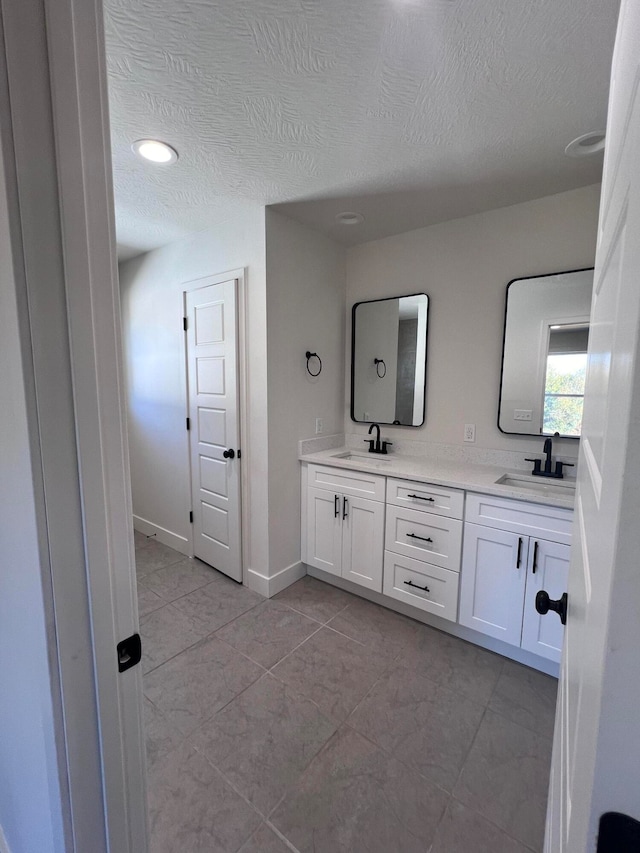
(173, 540)
(270, 586)
(4, 847)
(500, 648)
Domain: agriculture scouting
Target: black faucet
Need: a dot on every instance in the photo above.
(377, 446)
(547, 449)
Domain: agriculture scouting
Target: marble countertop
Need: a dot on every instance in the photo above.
(458, 475)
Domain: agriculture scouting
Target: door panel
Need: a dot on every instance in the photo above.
(491, 584)
(540, 635)
(324, 530)
(363, 542)
(213, 410)
(596, 755)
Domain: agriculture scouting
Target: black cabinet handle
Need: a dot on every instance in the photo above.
(422, 538)
(535, 558)
(544, 604)
(229, 454)
(336, 506)
(345, 504)
(519, 559)
(420, 498)
(423, 588)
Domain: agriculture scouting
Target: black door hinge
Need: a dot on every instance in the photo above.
(184, 323)
(129, 652)
(191, 517)
(188, 423)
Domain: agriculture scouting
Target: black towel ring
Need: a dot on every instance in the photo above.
(378, 362)
(310, 355)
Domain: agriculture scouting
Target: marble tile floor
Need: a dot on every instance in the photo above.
(317, 721)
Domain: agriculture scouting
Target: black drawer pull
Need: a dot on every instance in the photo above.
(519, 558)
(336, 506)
(423, 588)
(535, 558)
(420, 498)
(421, 538)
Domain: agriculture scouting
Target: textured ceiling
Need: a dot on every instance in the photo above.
(409, 111)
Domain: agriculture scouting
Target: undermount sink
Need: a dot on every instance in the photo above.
(372, 458)
(538, 484)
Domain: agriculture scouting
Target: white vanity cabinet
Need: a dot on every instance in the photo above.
(345, 524)
(511, 551)
(422, 546)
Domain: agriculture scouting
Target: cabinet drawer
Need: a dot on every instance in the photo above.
(436, 499)
(424, 536)
(405, 579)
(547, 522)
(358, 484)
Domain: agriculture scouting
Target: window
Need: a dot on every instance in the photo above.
(564, 393)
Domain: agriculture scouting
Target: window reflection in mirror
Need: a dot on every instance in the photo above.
(565, 379)
(545, 354)
(388, 360)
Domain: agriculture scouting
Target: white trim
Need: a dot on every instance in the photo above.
(270, 586)
(57, 84)
(500, 648)
(4, 847)
(167, 537)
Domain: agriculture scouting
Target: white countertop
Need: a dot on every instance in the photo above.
(457, 475)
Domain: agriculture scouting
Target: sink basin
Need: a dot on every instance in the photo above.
(372, 458)
(541, 486)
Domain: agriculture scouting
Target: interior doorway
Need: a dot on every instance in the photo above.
(211, 329)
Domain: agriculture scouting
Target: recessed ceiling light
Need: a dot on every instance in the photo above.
(155, 151)
(585, 145)
(349, 218)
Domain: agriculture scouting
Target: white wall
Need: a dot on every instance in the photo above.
(305, 311)
(377, 338)
(152, 308)
(30, 803)
(464, 266)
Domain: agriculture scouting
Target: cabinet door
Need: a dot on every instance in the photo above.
(543, 635)
(491, 583)
(324, 530)
(363, 542)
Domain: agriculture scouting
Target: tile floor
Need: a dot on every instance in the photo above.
(317, 721)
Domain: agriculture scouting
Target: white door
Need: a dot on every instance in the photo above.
(324, 530)
(492, 582)
(596, 756)
(363, 542)
(548, 569)
(214, 432)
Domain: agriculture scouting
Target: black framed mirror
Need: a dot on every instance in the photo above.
(544, 354)
(389, 360)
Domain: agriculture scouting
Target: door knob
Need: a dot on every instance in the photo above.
(544, 604)
(229, 454)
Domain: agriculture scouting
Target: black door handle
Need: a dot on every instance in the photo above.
(544, 604)
(229, 454)
(336, 506)
(345, 504)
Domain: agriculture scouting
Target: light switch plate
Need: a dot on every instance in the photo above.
(319, 426)
(469, 432)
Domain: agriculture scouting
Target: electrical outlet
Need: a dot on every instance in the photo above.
(319, 426)
(469, 432)
(522, 414)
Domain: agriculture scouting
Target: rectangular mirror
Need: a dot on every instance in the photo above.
(544, 356)
(389, 360)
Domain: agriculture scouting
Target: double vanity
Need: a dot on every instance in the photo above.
(463, 547)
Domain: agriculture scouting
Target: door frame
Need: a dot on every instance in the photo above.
(240, 276)
(58, 164)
